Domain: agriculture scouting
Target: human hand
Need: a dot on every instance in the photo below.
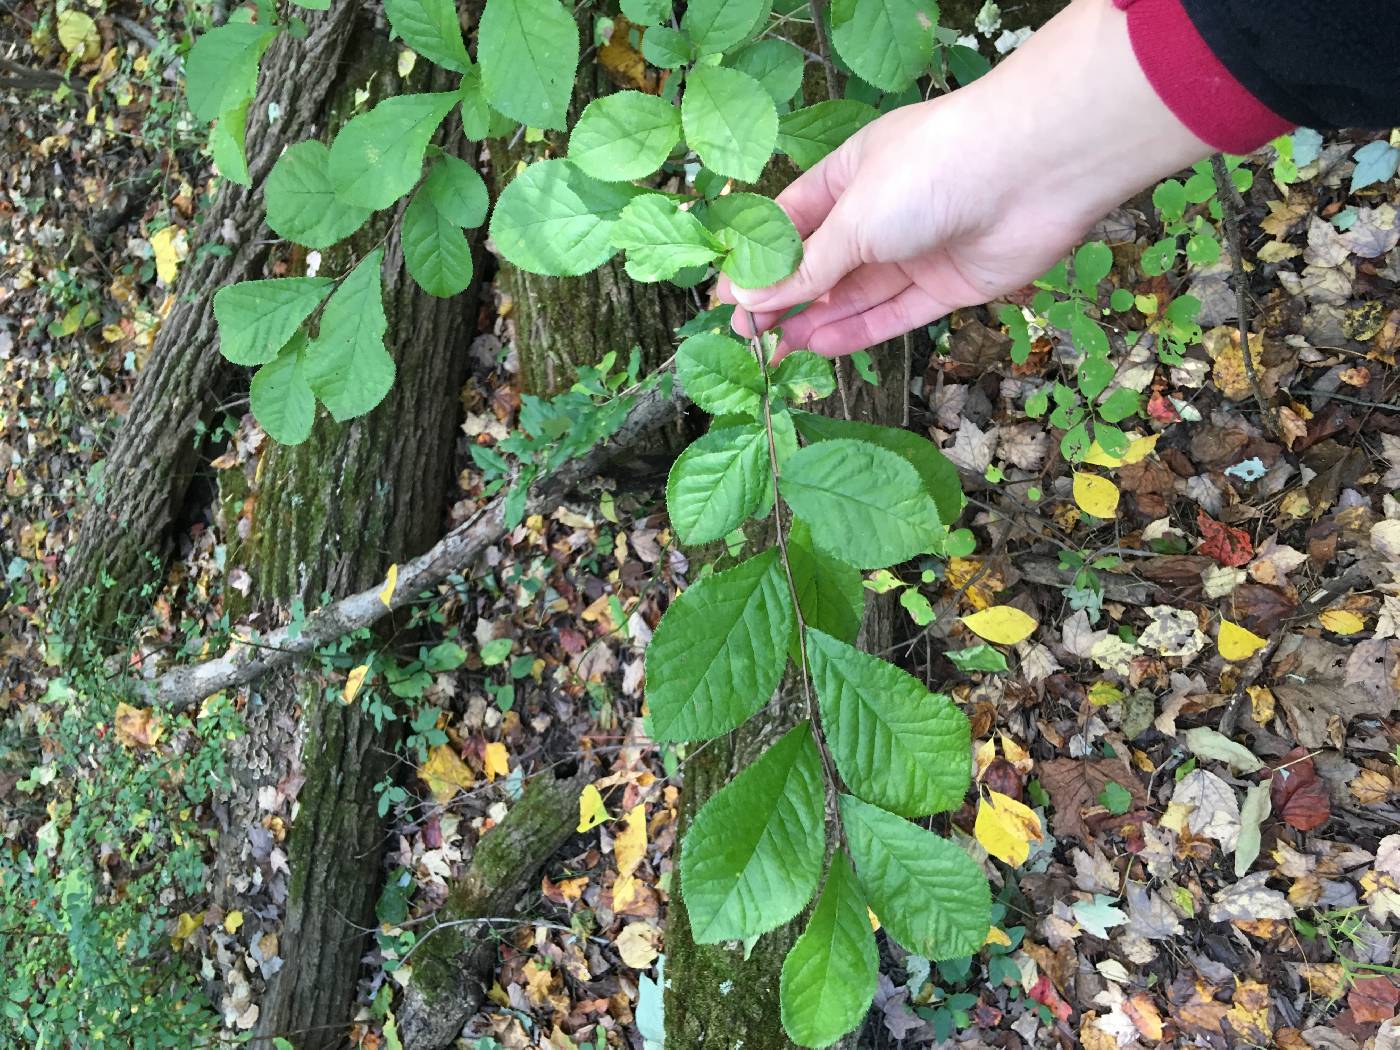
(950, 203)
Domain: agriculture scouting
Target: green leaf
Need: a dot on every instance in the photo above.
(624, 136)
(528, 51)
(301, 202)
(807, 135)
(221, 70)
(895, 743)
(803, 376)
(660, 239)
(863, 503)
(377, 156)
(719, 374)
(828, 979)
(719, 652)
(281, 398)
(226, 145)
(1169, 198)
(445, 656)
(715, 25)
(646, 12)
(1115, 798)
(256, 318)
(1119, 405)
(729, 120)
(775, 64)
(829, 592)
(1092, 263)
(753, 856)
(346, 364)
(666, 48)
(762, 241)
(555, 220)
(930, 895)
(479, 120)
(887, 43)
(718, 482)
(936, 471)
(434, 250)
(431, 28)
(457, 191)
(980, 657)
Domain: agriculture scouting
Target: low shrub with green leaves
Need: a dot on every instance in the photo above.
(832, 804)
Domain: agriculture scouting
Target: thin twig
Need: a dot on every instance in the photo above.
(833, 83)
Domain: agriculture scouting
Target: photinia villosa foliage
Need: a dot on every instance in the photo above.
(824, 818)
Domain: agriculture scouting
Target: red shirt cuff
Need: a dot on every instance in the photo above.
(1193, 83)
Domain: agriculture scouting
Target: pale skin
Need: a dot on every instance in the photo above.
(954, 202)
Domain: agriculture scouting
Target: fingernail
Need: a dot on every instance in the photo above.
(749, 298)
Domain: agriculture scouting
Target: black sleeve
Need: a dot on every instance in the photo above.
(1333, 64)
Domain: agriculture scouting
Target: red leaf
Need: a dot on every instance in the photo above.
(1298, 796)
(1373, 999)
(1043, 991)
(1226, 544)
(1161, 409)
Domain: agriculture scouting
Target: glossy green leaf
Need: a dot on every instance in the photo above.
(863, 503)
(377, 156)
(553, 219)
(718, 482)
(528, 52)
(830, 593)
(719, 652)
(434, 248)
(1092, 263)
(226, 145)
(431, 28)
(347, 365)
(803, 376)
(809, 134)
(753, 856)
(762, 242)
(479, 120)
(719, 374)
(828, 978)
(715, 25)
(281, 398)
(660, 239)
(895, 743)
(456, 190)
(930, 895)
(666, 48)
(775, 64)
(221, 70)
(887, 43)
(624, 136)
(257, 318)
(936, 471)
(301, 202)
(729, 120)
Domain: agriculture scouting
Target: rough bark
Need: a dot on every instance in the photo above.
(330, 515)
(148, 472)
(564, 323)
(454, 959)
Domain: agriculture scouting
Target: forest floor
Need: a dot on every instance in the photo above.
(1217, 862)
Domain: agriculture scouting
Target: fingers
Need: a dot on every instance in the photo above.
(749, 325)
(863, 288)
(904, 312)
(809, 198)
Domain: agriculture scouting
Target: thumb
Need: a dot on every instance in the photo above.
(827, 255)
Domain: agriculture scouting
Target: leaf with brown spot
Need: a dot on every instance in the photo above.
(1373, 999)
(1226, 544)
(1074, 786)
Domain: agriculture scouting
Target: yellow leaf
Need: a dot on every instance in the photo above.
(874, 920)
(1341, 621)
(77, 32)
(1002, 624)
(1236, 642)
(232, 921)
(407, 60)
(1095, 496)
(982, 756)
(445, 773)
(1006, 828)
(1138, 450)
(996, 935)
(137, 726)
(629, 847)
(391, 580)
(591, 811)
(353, 681)
(637, 945)
(1101, 693)
(169, 246)
(185, 926)
(496, 762)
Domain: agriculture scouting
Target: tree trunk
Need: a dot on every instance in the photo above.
(146, 476)
(331, 515)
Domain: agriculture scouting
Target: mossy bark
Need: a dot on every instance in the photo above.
(330, 516)
(452, 964)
